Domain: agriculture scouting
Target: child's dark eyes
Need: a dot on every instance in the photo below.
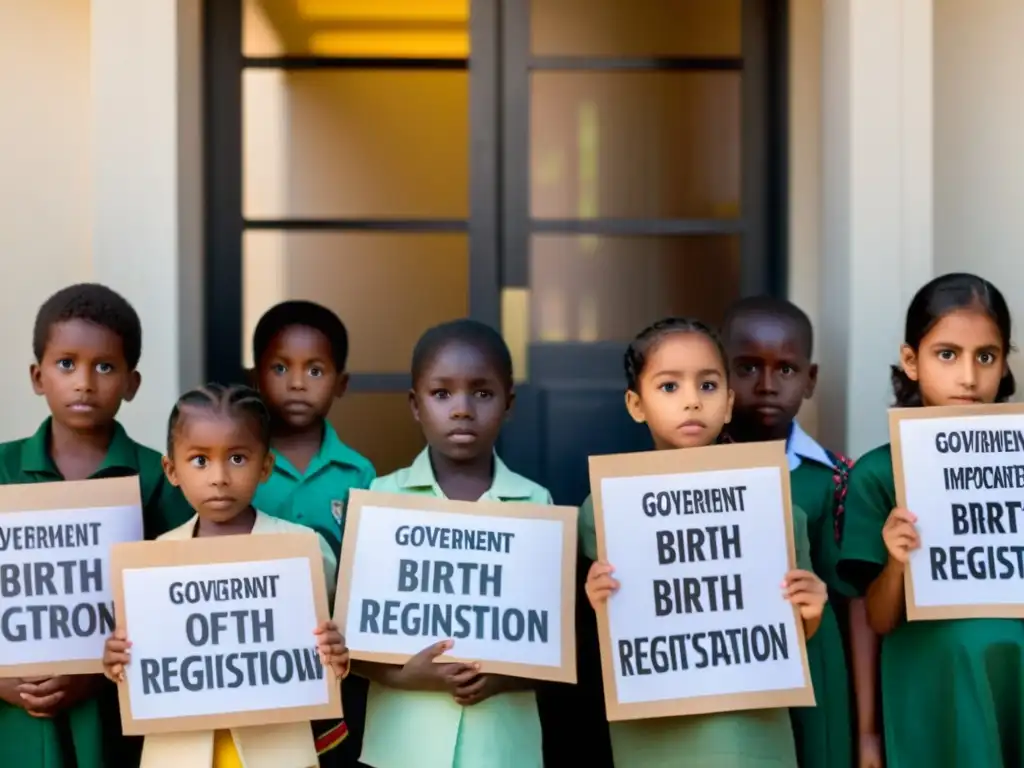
(947, 355)
(668, 387)
(440, 394)
(278, 368)
(238, 460)
(199, 462)
(484, 394)
(746, 370)
(787, 370)
(708, 386)
(986, 358)
(316, 372)
(67, 365)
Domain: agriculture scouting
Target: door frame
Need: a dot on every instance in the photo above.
(499, 222)
(225, 223)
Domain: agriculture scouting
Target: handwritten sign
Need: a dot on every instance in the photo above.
(700, 540)
(56, 602)
(961, 471)
(222, 633)
(497, 578)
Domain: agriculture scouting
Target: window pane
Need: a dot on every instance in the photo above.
(635, 28)
(386, 28)
(380, 426)
(586, 288)
(388, 288)
(360, 143)
(635, 144)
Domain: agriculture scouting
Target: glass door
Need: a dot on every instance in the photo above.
(352, 162)
(643, 154)
(643, 157)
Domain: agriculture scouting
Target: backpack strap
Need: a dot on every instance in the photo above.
(840, 479)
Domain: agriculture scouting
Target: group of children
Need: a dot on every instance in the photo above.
(257, 460)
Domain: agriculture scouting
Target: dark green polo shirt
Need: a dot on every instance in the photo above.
(163, 507)
(316, 498)
(94, 725)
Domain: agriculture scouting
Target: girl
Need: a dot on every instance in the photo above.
(678, 384)
(952, 691)
(218, 452)
(436, 715)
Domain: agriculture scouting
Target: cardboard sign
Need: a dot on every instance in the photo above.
(700, 540)
(961, 471)
(497, 578)
(222, 633)
(56, 600)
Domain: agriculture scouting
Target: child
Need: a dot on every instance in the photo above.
(770, 343)
(87, 344)
(678, 384)
(436, 715)
(300, 350)
(218, 452)
(952, 691)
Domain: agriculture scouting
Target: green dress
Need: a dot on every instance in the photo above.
(757, 738)
(952, 691)
(824, 733)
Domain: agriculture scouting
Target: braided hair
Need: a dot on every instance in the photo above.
(235, 401)
(640, 349)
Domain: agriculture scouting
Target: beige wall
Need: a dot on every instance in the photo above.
(101, 171)
(979, 150)
(45, 181)
(100, 146)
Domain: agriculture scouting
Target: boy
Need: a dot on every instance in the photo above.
(769, 343)
(87, 343)
(299, 351)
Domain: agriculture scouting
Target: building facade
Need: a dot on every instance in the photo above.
(841, 152)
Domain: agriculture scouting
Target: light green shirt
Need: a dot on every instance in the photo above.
(266, 524)
(289, 738)
(423, 729)
(316, 498)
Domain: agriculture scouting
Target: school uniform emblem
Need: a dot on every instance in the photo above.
(338, 510)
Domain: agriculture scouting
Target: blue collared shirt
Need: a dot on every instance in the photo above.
(801, 446)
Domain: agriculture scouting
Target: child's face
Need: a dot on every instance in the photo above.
(772, 374)
(83, 375)
(960, 361)
(683, 394)
(461, 402)
(297, 377)
(218, 461)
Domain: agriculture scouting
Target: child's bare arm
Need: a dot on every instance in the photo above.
(864, 652)
(886, 600)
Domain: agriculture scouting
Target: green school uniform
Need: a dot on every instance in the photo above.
(429, 730)
(756, 738)
(952, 691)
(92, 726)
(824, 733)
(316, 498)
